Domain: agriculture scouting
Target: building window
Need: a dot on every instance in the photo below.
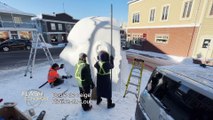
(3, 36)
(17, 19)
(187, 9)
(136, 39)
(161, 39)
(206, 43)
(60, 27)
(26, 35)
(14, 34)
(152, 15)
(211, 10)
(136, 18)
(165, 13)
(53, 26)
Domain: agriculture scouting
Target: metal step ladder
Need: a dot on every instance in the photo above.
(137, 65)
(37, 37)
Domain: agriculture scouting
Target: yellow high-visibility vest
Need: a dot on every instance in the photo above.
(78, 70)
(101, 70)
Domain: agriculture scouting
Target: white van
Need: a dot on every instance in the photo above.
(180, 92)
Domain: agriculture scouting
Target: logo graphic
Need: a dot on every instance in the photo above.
(33, 97)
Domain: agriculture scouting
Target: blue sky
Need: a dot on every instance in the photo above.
(76, 8)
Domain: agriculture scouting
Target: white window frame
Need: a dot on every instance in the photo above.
(136, 17)
(162, 36)
(52, 26)
(152, 15)
(138, 37)
(184, 11)
(60, 28)
(163, 13)
(211, 10)
(17, 19)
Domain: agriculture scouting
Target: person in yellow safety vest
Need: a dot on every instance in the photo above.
(84, 80)
(104, 83)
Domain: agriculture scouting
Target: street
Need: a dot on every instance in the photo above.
(20, 58)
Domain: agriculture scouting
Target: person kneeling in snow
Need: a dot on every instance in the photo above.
(53, 77)
(84, 80)
(104, 83)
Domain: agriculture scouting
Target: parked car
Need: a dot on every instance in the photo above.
(12, 44)
(178, 92)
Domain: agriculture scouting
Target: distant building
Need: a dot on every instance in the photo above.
(15, 24)
(177, 27)
(55, 28)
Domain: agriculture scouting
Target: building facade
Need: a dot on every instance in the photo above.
(177, 27)
(55, 28)
(15, 24)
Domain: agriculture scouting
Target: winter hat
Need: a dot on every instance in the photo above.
(55, 65)
(82, 56)
(103, 56)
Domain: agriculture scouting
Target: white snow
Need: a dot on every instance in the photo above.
(14, 86)
(91, 35)
(42, 45)
(176, 59)
(4, 8)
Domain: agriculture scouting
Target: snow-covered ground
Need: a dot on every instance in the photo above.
(14, 86)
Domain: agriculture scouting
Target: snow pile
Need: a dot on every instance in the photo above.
(42, 45)
(91, 35)
(157, 55)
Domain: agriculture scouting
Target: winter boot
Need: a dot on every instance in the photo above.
(110, 104)
(87, 108)
(99, 100)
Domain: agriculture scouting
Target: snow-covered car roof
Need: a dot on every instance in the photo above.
(194, 76)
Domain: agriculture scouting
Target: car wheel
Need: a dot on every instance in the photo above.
(28, 47)
(6, 49)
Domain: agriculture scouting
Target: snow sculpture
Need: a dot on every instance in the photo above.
(91, 35)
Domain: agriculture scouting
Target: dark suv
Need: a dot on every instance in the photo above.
(10, 44)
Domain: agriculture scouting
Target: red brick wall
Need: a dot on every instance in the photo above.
(178, 44)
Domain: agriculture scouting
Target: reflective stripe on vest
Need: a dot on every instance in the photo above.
(78, 74)
(102, 71)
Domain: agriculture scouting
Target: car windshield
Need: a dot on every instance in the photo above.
(179, 101)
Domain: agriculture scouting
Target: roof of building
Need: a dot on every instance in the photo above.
(195, 76)
(132, 1)
(4, 8)
(59, 17)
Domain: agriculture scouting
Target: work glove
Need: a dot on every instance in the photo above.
(61, 66)
(111, 58)
(92, 86)
(70, 76)
(64, 77)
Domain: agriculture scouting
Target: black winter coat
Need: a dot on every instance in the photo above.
(104, 83)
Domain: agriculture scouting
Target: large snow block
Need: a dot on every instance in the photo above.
(91, 35)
